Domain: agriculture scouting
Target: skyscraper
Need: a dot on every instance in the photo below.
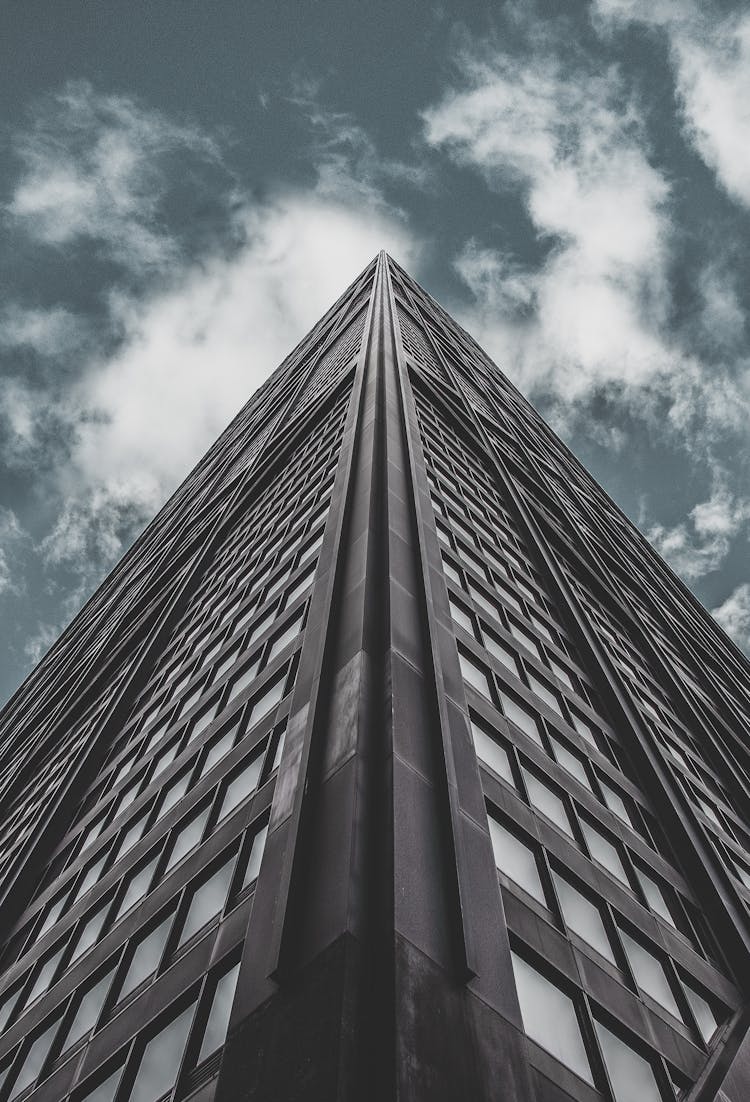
(390, 763)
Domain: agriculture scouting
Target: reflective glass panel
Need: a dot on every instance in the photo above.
(550, 1019)
(583, 917)
(146, 957)
(208, 900)
(492, 754)
(160, 1063)
(516, 860)
(649, 974)
(218, 1015)
(631, 1076)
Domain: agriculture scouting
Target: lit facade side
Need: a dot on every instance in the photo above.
(390, 762)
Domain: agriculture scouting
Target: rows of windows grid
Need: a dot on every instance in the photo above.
(128, 834)
(128, 974)
(546, 801)
(697, 772)
(734, 851)
(577, 493)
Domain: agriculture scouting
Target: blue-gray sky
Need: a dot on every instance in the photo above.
(185, 187)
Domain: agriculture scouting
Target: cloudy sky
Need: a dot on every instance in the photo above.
(185, 187)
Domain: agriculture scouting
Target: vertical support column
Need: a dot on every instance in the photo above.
(312, 979)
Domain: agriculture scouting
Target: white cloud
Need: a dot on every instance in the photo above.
(47, 332)
(573, 144)
(97, 167)
(711, 61)
(12, 537)
(734, 615)
(700, 545)
(180, 357)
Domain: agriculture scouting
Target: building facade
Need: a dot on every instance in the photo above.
(390, 763)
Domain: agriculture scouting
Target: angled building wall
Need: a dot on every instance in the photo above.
(391, 762)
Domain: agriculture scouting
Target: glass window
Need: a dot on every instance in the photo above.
(704, 1015)
(615, 803)
(35, 1058)
(284, 638)
(474, 675)
(631, 1076)
(44, 976)
(218, 1015)
(265, 703)
(54, 910)
(461, 617)
(242, 785)
(544, 800)
(131, 836)
(245, 678)
(219, 749)
(491, 753)
(88, 933)
(187, 838)
(138, 885)
(6, 1006)
(550, 1019)
(146, 957)
(91, 877)
(654, 896)
(545, 693)
(585, 729)
(255, 856)
(516, 860)
(583, 917)
(494, 647)
(605, 852)
(207, 901)
(174, 793)
(521, 717)
(87, 1014)
(649, 974)
(571, 762)
(161, 1059)
(165, 758)
(105, 1091)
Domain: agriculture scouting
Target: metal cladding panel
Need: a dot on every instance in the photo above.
(390, 762)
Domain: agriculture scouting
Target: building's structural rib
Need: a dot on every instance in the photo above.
(390, 762)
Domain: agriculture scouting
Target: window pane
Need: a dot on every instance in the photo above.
(105, 1092)
(160, 1063)
(218, 1015)
(631, 1076)
(544, 800)
(704, 1015)
(255, 857)
(44, 978)
(174, 794)
(269, 700)
(649, 974)
(146, 957)
(492, 754)
(583, 917)
(137, 887)
(218, 750)
(543, 691)
(571, 762)
(615, 803)
(549, 1018)
(475, 676)
(516, 860)
(282, 640)
(35, 1057)
(497, 650)
(654, 896)
(604, 852)
(521, 717)
(208, 900)
(243, 785)
(54, 911)
(187, 838)
(89, 1009)
(89, 933)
